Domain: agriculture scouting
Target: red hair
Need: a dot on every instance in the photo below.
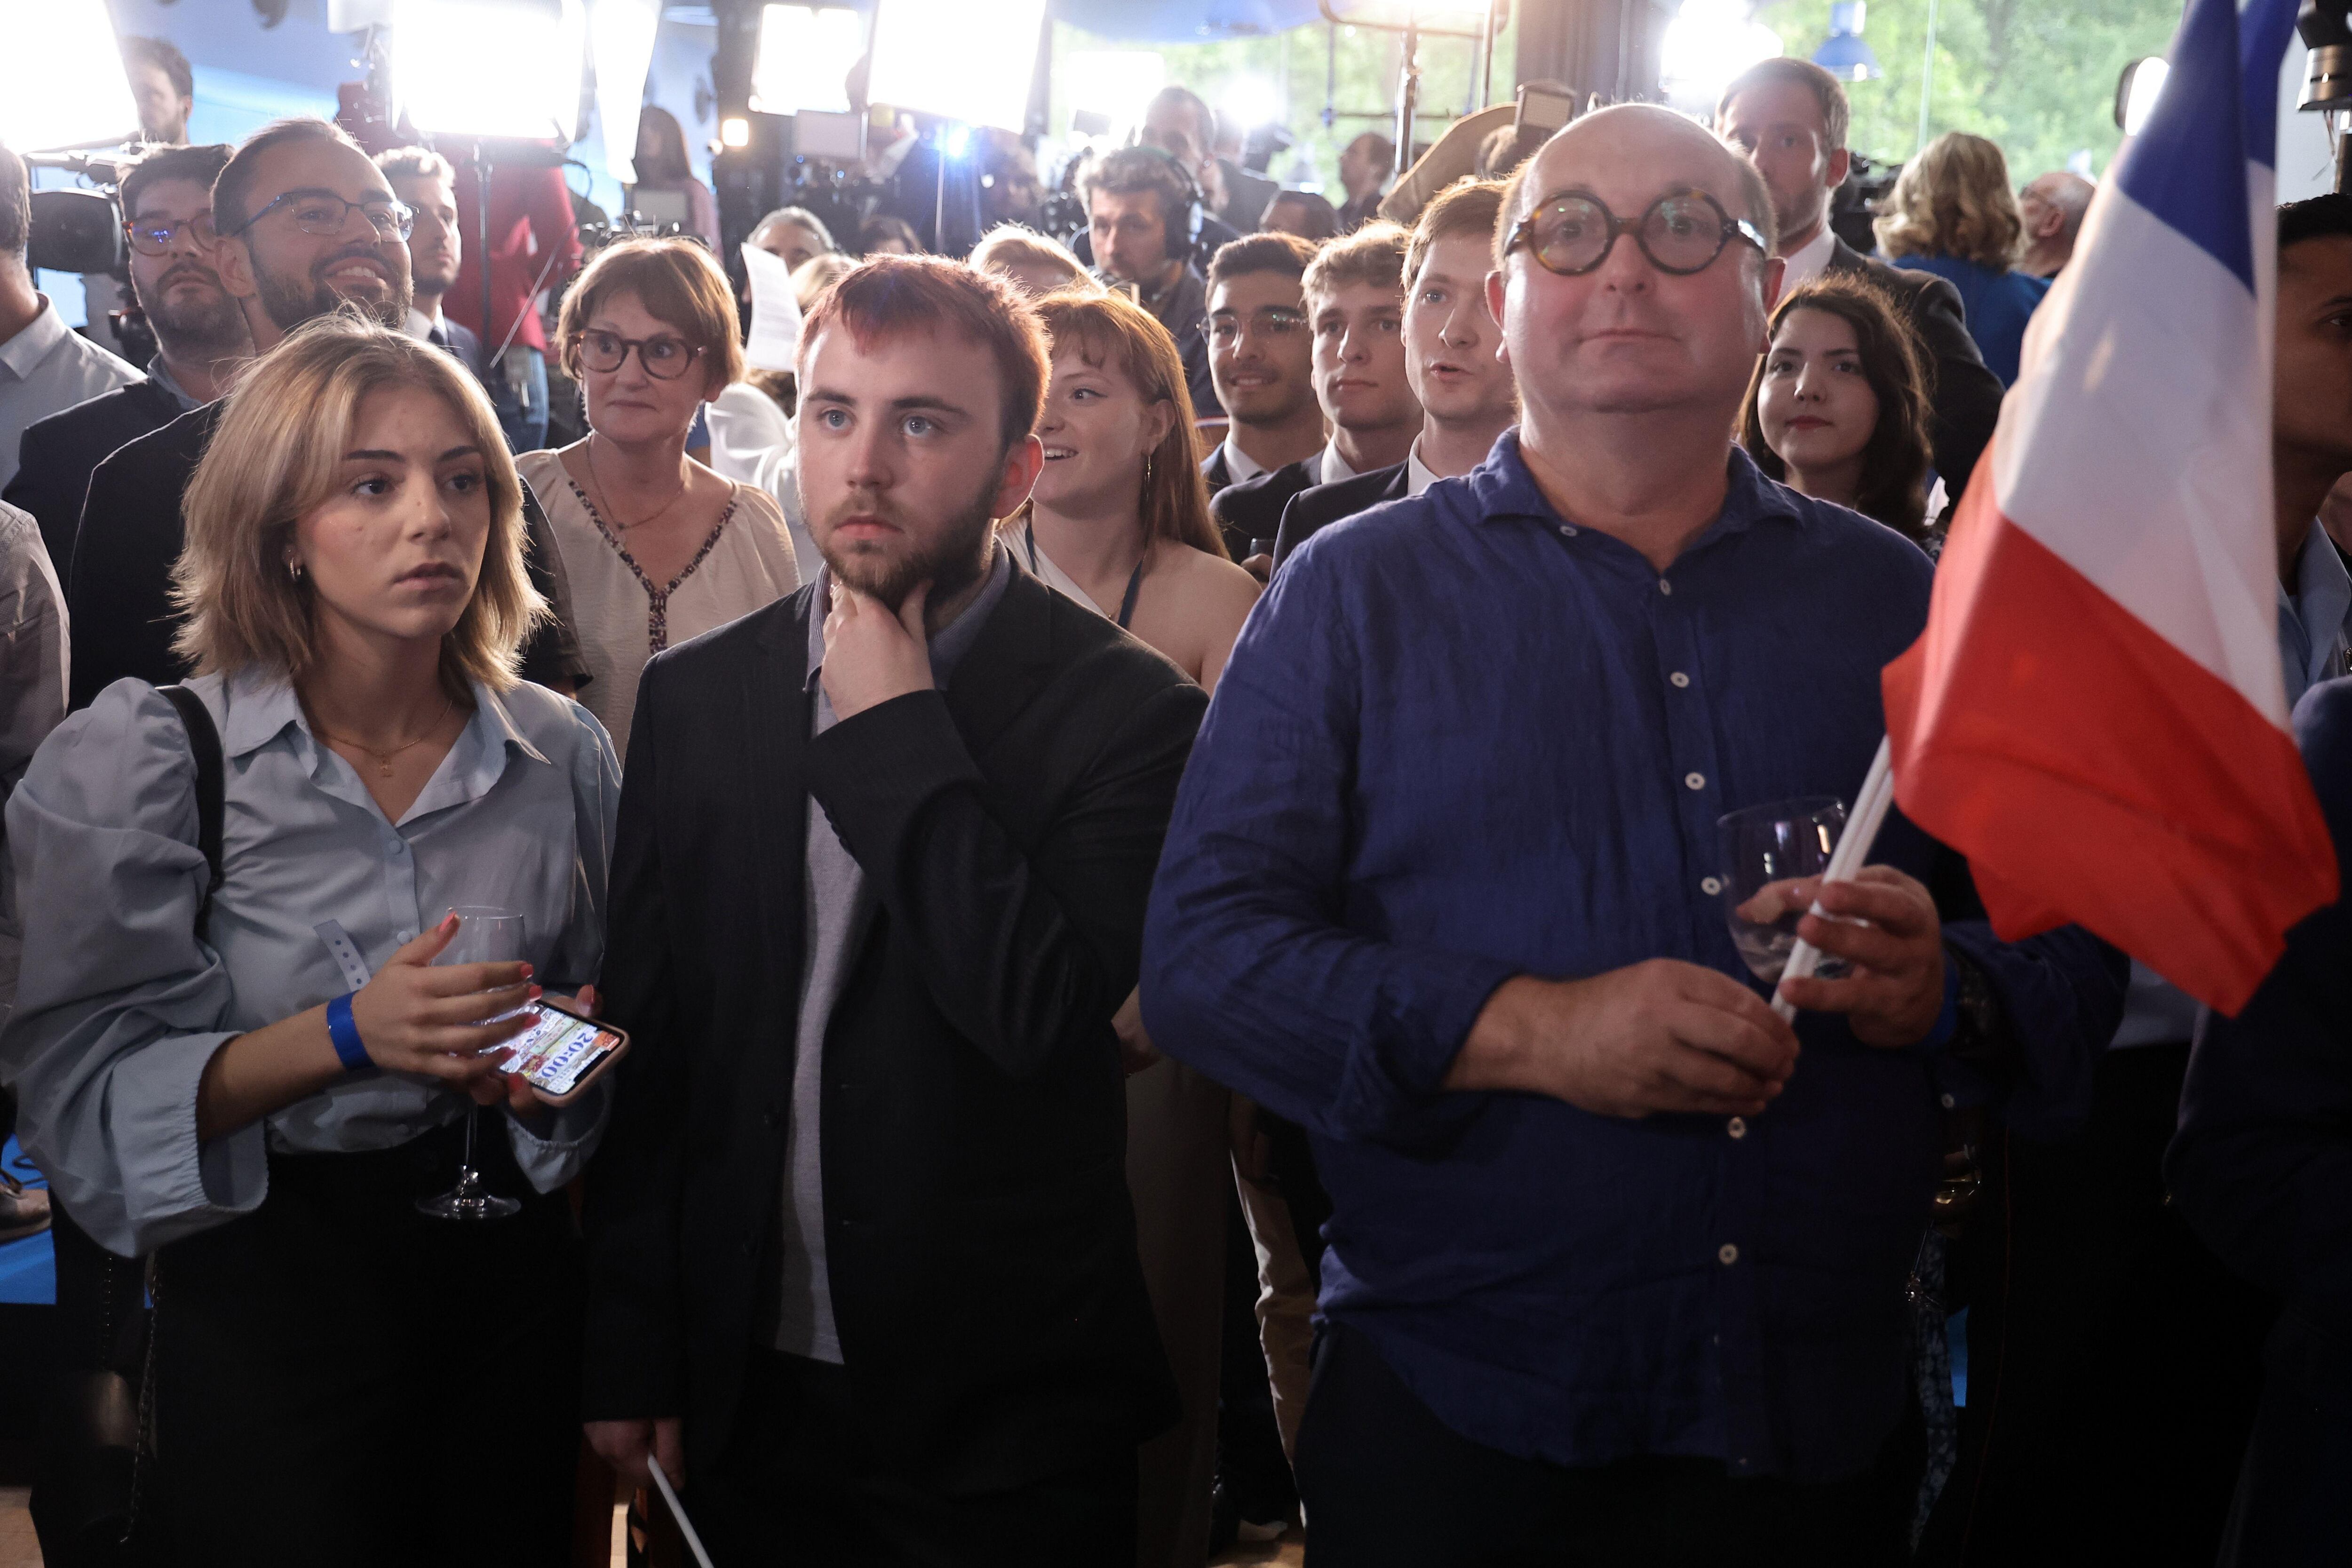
(892, 296)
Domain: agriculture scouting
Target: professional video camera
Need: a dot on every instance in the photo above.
(1856, 204)
(81, 231)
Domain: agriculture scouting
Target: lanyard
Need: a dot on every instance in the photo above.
(1134, 581)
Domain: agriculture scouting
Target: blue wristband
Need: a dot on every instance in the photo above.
(346, 1036)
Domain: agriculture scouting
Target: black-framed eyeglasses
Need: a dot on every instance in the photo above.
(665, 359)
(153, 236)
(1681, 233)
(326, 214)
(1273, 321)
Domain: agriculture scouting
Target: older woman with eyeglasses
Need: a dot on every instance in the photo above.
(658, 548)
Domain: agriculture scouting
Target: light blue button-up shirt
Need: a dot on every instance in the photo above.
(120, 1004)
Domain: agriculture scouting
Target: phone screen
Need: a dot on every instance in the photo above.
(557, 1053)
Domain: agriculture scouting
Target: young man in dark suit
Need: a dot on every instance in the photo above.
(863, 1263)
(200, 339)
(1454, 360)
(1261, 356)
(1791, 115)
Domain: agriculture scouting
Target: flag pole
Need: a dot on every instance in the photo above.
(1853, 850)
(678, 1512)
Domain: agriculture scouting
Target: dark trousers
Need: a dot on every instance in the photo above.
(2113, 1363)
(1387, 1485)
(799, 1483)
(2294, 1507)
(341, 1380)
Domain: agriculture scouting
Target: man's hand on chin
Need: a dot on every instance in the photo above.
(871, 655)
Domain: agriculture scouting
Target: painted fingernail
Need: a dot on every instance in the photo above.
(536, 994)
(527, 971)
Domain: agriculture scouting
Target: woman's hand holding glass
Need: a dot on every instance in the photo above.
(417, 1017)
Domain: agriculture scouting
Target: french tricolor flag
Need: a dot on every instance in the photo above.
(2095, 714)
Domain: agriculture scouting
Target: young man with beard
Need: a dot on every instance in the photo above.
(305, 225)
(1454, 360)
(863, 1263)
(200, 339)
(427, 187)
(1355, 306)
(1140, 207)
(1261, 357)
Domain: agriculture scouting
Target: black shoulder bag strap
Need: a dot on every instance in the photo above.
(205, 744)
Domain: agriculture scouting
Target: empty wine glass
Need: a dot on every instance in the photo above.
(484, 935)
(1766, 849)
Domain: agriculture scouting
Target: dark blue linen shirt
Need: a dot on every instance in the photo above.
(1460, 740)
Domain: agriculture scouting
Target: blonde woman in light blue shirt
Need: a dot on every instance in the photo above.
(355, 599)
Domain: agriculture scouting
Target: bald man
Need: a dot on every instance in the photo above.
(2054, 205)
(1617, 1257)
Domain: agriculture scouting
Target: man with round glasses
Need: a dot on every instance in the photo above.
(304, 224)
(1616, 1262)
(200, 341)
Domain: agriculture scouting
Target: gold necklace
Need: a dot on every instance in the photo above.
(383, 759)
(602, 495)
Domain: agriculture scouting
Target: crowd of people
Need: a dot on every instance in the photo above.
(1150, 814)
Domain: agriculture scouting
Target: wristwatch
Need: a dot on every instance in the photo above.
(1983, 1025)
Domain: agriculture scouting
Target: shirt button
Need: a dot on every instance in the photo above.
(403, 936)
(1694, 781)
(1567, 531)
(1678, 679)
(399, 847)
(1710, 886)
(1738, 1128)
(1726, 1255)
(1947, 1101)
(1665, 586)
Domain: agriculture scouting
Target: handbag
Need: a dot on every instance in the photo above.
(98, 1438)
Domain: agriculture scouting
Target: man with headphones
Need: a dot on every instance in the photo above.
(1149, 234)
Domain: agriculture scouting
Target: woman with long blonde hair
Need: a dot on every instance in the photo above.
(240, 1053)
(1952, 213)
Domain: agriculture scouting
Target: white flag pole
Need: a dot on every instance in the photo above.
(1853, 850)
(678, 1512)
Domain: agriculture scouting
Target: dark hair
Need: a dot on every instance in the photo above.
(883, 227)
(415, 164)
(202, 162)
(1204, 119)
(1827, 91)
(1894, 488)
(1321, 216)
(1383, 148)
(1283, 253)
(891, 295)
(1129, 170)
(233, 186)
(2314, 218)
(1465, 207)
(15, 205)
(165, 56)
(1504, 150)
(669, 165)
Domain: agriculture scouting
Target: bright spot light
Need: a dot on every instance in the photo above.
(1249, 102)
(1708, 43)
(806, 55)
(956, 142)
(735, 131)
(491, 67)
(2143, 83)
(956, 60)
(1115, 84)
(61, 78)
(621, 33)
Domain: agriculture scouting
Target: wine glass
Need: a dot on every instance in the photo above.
(484, 935)
(1766, 850)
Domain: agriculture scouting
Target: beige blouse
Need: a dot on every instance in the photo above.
(623, 618)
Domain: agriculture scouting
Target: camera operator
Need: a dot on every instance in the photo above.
(164, 88)
(45, 365)
(201, 339)
(1141, 207)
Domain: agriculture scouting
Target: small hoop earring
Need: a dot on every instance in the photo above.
(294, 571)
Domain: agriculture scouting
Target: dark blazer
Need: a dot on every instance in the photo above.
(1966, 397)
(1252, 508)
(119, 585)
(1215, 469)
(2261, 1169)
(1320, 506)
(458, 338)
(979, 1235)
(1246, 196)
(61, 452)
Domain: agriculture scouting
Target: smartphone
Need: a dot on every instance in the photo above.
(562, 1053)
(1543, 111)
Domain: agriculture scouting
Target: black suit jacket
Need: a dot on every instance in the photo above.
(1965, 395)
(1313, 510)
(61, 452)
(979, 1235)
(1252, 510)
(1215, 469)
(118, 586)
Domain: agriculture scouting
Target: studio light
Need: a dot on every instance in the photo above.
(622, 33)
(1708, 43)
(1250, 101)
(735, 131)
(1111, 87)
(956, 60)
(805, 56)
(61, 77)
(2137, 92)
(491, 67)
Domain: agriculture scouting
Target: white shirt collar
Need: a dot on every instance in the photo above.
(1240, 465)
(1417, 477)
(1805, 265)
(1335, 467)
(37, 342)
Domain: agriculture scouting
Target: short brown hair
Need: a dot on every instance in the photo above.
(1110, 330)
(277, 454)
(891, 295)
(1011, 245)
(677, 283)
(1130, 170)
(1894, 488)
(415, 164)
(1953, 199)
(1837, 115)
(1463, 208)
(201, 164)
(1373, 254)
(233, 190)
(1283, 253)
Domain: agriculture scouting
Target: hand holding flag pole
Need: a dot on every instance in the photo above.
(1853, 850)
